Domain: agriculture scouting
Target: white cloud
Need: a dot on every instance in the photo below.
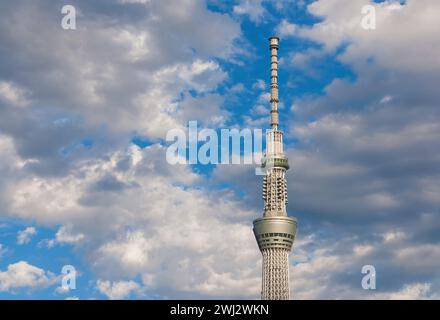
(64, 235)
(321, 270)
(386, 99)
(424, 257)
(134, 1)
(394, 236)
(130, 253)
(239, 87)
(259, 84)
(306, 60)
(363, 250)
(286, 29)
(264, 97)
(24, 275)
(160, 222)
(313, 278)
(117, 290)
(252, 8)
(24, 236)
(13, 94)
(146, 215)
(416, 291)
(410, 31)
(260, 110)
(108, 74)
(137, 44)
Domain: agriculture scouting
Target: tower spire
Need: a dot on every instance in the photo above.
(273, 45)
(275, 232)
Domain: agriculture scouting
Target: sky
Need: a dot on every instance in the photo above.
(84, 115)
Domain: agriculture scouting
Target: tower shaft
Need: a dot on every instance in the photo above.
(275, 231)
(275, 284)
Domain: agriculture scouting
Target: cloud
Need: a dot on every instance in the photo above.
(402, 27)
(68, 159)
(24, 275)
(24, 236)
(64, 235)
(104, 82)
(259, 84)
(417, 291)
(254, 9)
(363, 167)
(117, 290)
(239, 87)
(306, 61)
(156, 218)
(134, 1)
(323, 270)
(422, 257)
(264, 97)
(364, 178)
(378, 151)
(286, 29)
(12, 94)
(130, 254)
(394, 236)
(367, 157)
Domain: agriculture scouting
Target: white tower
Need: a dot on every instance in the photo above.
(275, 231)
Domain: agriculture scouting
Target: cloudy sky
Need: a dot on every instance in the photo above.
(84, 114)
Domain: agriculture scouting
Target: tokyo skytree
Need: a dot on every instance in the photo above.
(275, 231)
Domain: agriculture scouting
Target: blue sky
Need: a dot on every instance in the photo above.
(84, 114)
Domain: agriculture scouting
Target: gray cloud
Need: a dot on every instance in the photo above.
(120, 73)
(364, 178)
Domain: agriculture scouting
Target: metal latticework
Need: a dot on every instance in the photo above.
(275, 274)
(275, 192)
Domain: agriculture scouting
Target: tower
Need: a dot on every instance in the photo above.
(275, 231)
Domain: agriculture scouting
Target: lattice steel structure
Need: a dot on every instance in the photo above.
(275, 231)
